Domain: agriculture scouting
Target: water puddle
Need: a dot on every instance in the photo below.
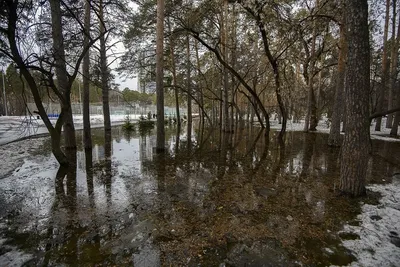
(211, 200)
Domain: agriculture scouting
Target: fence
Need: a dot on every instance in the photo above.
(115, 109)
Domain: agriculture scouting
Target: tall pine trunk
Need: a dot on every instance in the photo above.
(87, 136)
(396, 89)
(104, 72)
(311, 115)
(174, 79)
(337, 113)
(160, 147)
(394, 53)
(385, 74)
(224, 48)
(189, 92)
(356, 146)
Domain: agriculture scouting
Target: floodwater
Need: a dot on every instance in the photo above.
(211, 200)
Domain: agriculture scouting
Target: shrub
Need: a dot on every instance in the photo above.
(128, 125)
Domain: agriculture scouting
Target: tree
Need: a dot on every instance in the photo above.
(160, 76)
(394, 55)
(385, 71)
(356, 146)
(62, 74)
(38, 66)
(87, 136)
(104, 72)
(337, 113)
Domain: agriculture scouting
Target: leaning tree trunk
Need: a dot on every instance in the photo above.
(334, 134)
(160, 76)
(385, 74)
(104, 72)
(274, 64)
(62, 74)
(356, 146)
(87, 136)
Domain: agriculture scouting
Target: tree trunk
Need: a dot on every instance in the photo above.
(394, 54)
(87, 136)
(160, 76)
(104, 72)
(274, 64)
(200, 90)
(310, 120)
(174, 79)
(396, 121)
(240, 79)
(356, 146)
(189, 92)
(385, 74)
(334, 134)
(62, 74)
(224, 49)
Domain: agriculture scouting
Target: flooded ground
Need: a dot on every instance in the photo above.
(211, 200)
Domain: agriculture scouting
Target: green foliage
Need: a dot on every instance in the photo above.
(128, 125)
(145, 126)
(137, 97)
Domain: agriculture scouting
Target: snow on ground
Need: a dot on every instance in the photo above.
(13, 155)
(379, 231)
(16, 127)
(12, 257)
(323, 127)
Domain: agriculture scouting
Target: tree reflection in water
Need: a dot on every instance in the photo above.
(235, 198)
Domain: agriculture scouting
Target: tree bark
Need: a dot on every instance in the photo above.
(385, 74)
(160, 76)
(356, 146)
(224, 49)
(274, 64)
(200, 89)
(62, 74)
(310, 124)
(394, 54)
(189, 92)
(104, 71)
(174, 79)
(396, 121)
(337, 114)
(87, 136)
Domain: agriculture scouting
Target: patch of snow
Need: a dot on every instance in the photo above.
(322, 127)
(14, 154)
(380, 225)
(16, 127)
(14, 258)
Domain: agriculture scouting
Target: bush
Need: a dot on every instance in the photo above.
(128, 125)
(145, 127)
